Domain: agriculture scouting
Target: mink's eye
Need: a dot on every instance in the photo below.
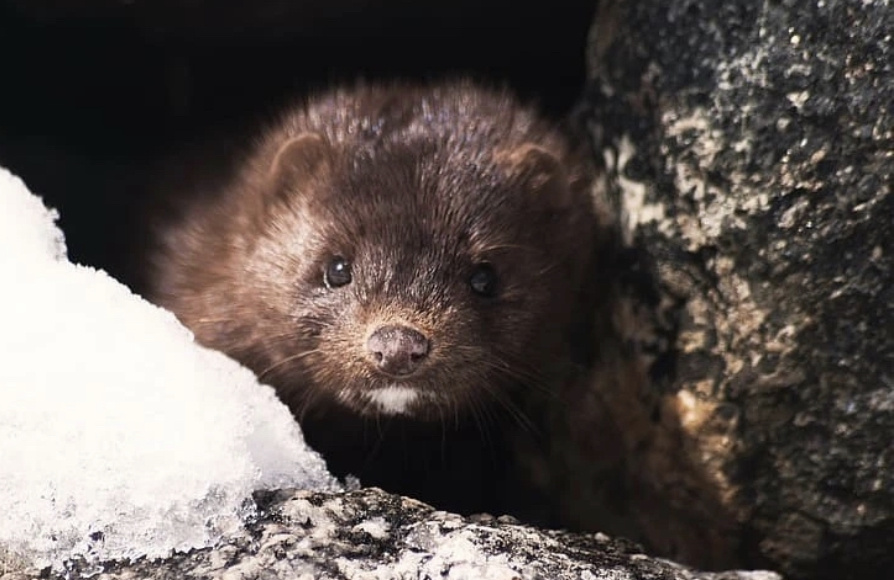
(484, 280)
(337, 273)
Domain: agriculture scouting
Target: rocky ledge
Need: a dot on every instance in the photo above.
(369, 534)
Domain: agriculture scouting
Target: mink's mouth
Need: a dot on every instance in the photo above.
(406, 380)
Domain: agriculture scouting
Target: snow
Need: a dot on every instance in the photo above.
(119, 436)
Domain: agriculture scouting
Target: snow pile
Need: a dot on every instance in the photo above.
(119, 437)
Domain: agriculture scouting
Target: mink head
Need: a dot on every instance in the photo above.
(401, 251)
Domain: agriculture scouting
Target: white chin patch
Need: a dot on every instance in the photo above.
(392, 400)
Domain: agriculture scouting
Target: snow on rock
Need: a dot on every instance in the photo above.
(369, 534)
(119, 437)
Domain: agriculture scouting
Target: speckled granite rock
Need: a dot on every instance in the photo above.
(369, 534)
(750, 146)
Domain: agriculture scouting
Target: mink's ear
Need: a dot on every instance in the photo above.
(298, 160)
(536, 170)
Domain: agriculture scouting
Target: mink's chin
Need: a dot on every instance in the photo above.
(421, 399)
(396, 399)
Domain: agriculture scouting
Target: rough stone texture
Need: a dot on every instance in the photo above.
(369, 534)
(750, 147)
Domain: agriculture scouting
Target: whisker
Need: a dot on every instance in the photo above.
(498, 247)
(212, 320)
(480, 416)
(522, 372)
(546, 269)
(513, 411)
(308, 398)
(286, 360)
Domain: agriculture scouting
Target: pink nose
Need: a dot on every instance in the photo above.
(397, 350)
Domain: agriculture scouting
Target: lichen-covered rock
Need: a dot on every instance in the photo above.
(750, 146)
(369, 534)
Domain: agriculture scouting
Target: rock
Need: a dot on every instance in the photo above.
(368, 534)
(750, 149)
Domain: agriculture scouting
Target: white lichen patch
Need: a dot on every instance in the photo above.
(798, 98)
(635, 209)
(716, 211)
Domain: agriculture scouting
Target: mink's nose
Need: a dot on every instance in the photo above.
(397, 350)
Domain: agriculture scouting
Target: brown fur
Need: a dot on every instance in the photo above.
(414, 185)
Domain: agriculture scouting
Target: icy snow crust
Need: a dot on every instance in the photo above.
(120, 437)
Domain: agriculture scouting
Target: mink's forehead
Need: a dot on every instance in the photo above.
(422, 195)
(424, 173)
(449, 112)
